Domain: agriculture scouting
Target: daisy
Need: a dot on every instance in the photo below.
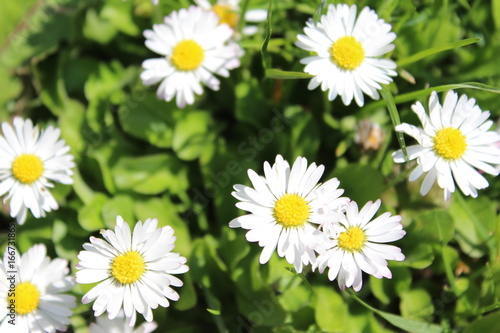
(29, 160)
(227, 10)
(346, 51)
(286, 207)
(31, 292)
(194, 47)
(452, 144)
(119, 325)
(356, 248)
(134, 269)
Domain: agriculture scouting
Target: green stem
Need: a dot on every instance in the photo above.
(447, 268)
(393, 112)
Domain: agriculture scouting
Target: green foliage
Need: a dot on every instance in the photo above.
(76, 65)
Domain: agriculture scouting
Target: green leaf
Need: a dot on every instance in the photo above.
(59, 230)
(89, 216)
(419, 256)
(448, 258)
(251, 104)
(192, 133)
(475, 224)
(146, 117)
(357, 190)
(433, 50)
(104, 155)
(262, 309)
(331, 309)
(266, 58)
(167, 214)
(12, 12)
(11, 87)
(469, 296)
(71, 121)
(40, 32)
(214, 312)
(409, 325)
(107, 79)
(416, 304)
(97, 28)
(305, 133)
(495, 11)
(53, 93)
(296, 298)
(84, 192)
(151, 174)
(273, 73)
(118, 205)
(187, 294)
(386, 290)
(102, 89)
(435, 226)
(121, 15)
(233, 248)
(485, 324)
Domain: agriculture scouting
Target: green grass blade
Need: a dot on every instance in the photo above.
(266, 58)
(412, 96)
(393, 112)
(243, 10)
(319, 11)
(273, 73)
(425, 53)
(447, 265)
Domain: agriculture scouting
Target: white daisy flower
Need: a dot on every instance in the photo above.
(452, 144)
(29, 160)
(134, 269)
(346, 53)
(119, 325)
(356, 247)
(287, 206)
(228, 12)
(31, 292)
(194, 47)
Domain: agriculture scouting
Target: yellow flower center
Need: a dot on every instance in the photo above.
(352, 239)
(226, 15)
(128, 267)
(26, 298)
(291, 210)
(449, 143)
(187, 55)
(347, 52)
(27, 168)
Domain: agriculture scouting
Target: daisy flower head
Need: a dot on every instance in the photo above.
(194, 47)
(119, 325)
(29, 161)
(286, 207)
(32, 287)
(454, 145)
(134, 269)
(346, 53)
(228, 12)
(356, 245)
